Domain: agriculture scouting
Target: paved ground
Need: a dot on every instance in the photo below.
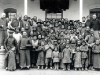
(48, 72)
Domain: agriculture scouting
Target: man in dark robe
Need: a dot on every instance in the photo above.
(10, 46)
(95, 25)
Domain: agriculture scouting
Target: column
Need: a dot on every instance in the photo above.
(25, 7)
(81, 10)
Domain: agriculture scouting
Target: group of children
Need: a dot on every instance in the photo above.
(54, 44)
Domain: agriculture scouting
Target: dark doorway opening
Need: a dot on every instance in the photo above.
(10, 12)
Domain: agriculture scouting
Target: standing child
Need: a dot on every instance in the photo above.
(24, 52)
(84, 51)
(49, 48)
(77, 58)
(40, 60)
(55, 56)
(96, 55)
(67, 56)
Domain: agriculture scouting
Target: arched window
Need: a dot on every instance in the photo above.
(10, 12)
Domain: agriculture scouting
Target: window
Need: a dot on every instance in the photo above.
(54, 14)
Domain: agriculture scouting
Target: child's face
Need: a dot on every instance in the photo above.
(11, 35)
(67, 41)
(59, 22)
(78, 48)
(83, 25)
(38, 24)
(97, 42)
(83, 43)
(39, 36)
(17, 30)
(24, 34)
(31, 33)
(78, 42)
(55, 49)
(22, 29)
(34, 37)
(42, 43)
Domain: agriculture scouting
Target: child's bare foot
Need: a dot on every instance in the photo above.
(82, 69)
(42, 67)
(51, 68)
(75, 69)
(38, 67)
(64, 69)
(86, 69)
(68, 69)
(46, 68)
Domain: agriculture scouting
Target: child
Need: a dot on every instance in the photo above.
(10, 46)
(77, 58)
(33, 52)
(40, 60)
(96, 55)
(24, 52)
(49, 48)
(55, 57)
(84, 51)
(67, 55)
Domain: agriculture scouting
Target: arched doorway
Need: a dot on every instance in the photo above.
(95, 11)
(10, 12)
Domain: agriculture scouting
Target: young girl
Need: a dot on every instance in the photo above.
(77, 57)
(55, 57)
(84, 51)
(67, 56)
(40, 60)
(49, 48)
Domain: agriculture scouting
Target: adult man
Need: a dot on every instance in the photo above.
(3, 29)
(95, 25)
(20, 22)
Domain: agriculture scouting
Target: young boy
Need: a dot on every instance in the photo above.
(84, 51)
(24, 52)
